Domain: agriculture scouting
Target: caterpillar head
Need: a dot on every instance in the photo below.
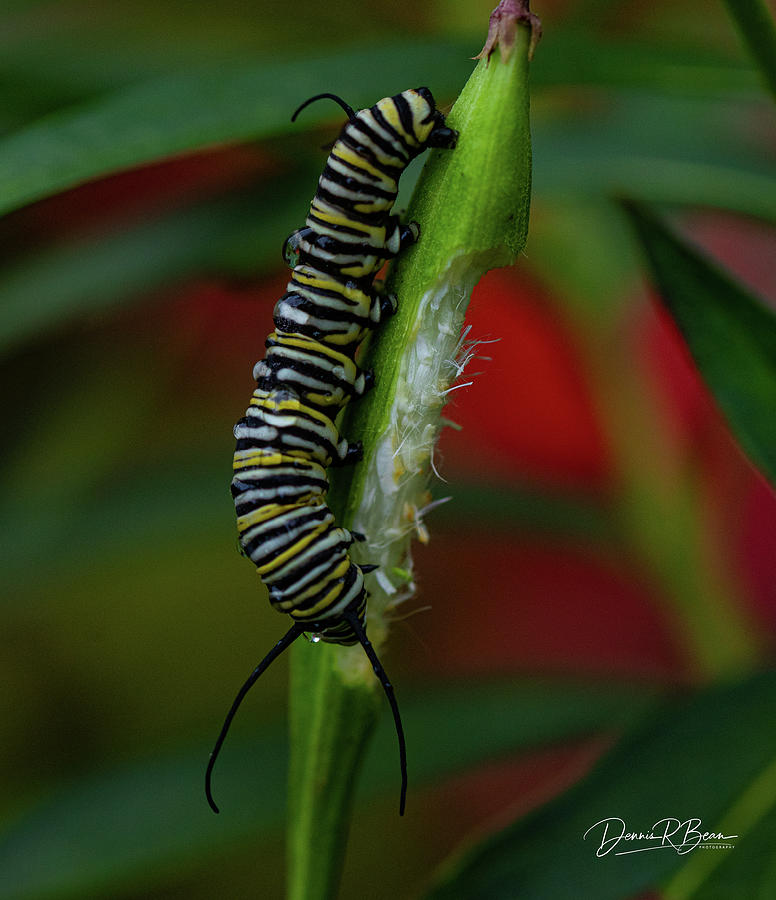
(427, 122)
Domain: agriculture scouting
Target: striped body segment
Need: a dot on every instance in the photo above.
(288, 437)
(309, 372)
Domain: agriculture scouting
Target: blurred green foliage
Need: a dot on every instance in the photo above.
(661, 765)
(127, 617)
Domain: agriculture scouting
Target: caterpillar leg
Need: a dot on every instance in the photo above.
(290, 249)
(399, 236)
(366, 568)
(408, 235)
(384, 305)
(367, 382)
(349, 453)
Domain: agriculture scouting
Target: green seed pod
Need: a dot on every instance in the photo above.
(472, 205)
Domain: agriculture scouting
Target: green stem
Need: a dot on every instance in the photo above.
(332, 718)
(472, 205)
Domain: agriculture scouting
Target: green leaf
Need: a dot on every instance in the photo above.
(139, 822)
(751, 818)
(625, 147)
(752, 864)
(179, 113)
(755, 22)
(43, 290)
(52, 287)
(696, 759)
(43, 56)
(243, 100)
(41, 68)
(730, 332)
(575, 54)
(662, 148)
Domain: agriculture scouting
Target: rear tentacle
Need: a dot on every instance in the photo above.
(288, 638)
(351, 617)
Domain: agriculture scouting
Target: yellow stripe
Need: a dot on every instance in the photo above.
(329, 600)
(303, 342)
(334, 218)
(341, 339)
(371, 233)
(374, 206)
(264, 513)
(364, 269)
(349, 156)
(388, 109)
(257, 461)
(327, 283)
(316, 588)
(244, 460)
(281, 406)
(293, 550)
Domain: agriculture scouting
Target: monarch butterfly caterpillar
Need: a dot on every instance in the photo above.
(288, 437)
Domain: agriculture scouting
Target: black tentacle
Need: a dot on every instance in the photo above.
(288, 638)
(349, 111)
(352, 619)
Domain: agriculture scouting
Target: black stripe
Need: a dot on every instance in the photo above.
(333, 555)
(302, 368)
(256, 417)
(263, 482)
(320, 335)
(254, 543)
(307, 516)
(281, 442)
(381, 120)
(302, 485)
(305, 304)
(333, 226)
(385, 146)
(375, 218)
(335, 294)
(347, 581)
(330, 244)
(356, 184)
(354, 168)
(300, 412)
(393, 170)
(312, 365)
(309, 351)
(406, 118)
(303, 465)
(309, 494)
(329, 629)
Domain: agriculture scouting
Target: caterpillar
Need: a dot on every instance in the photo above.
(288, 437)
